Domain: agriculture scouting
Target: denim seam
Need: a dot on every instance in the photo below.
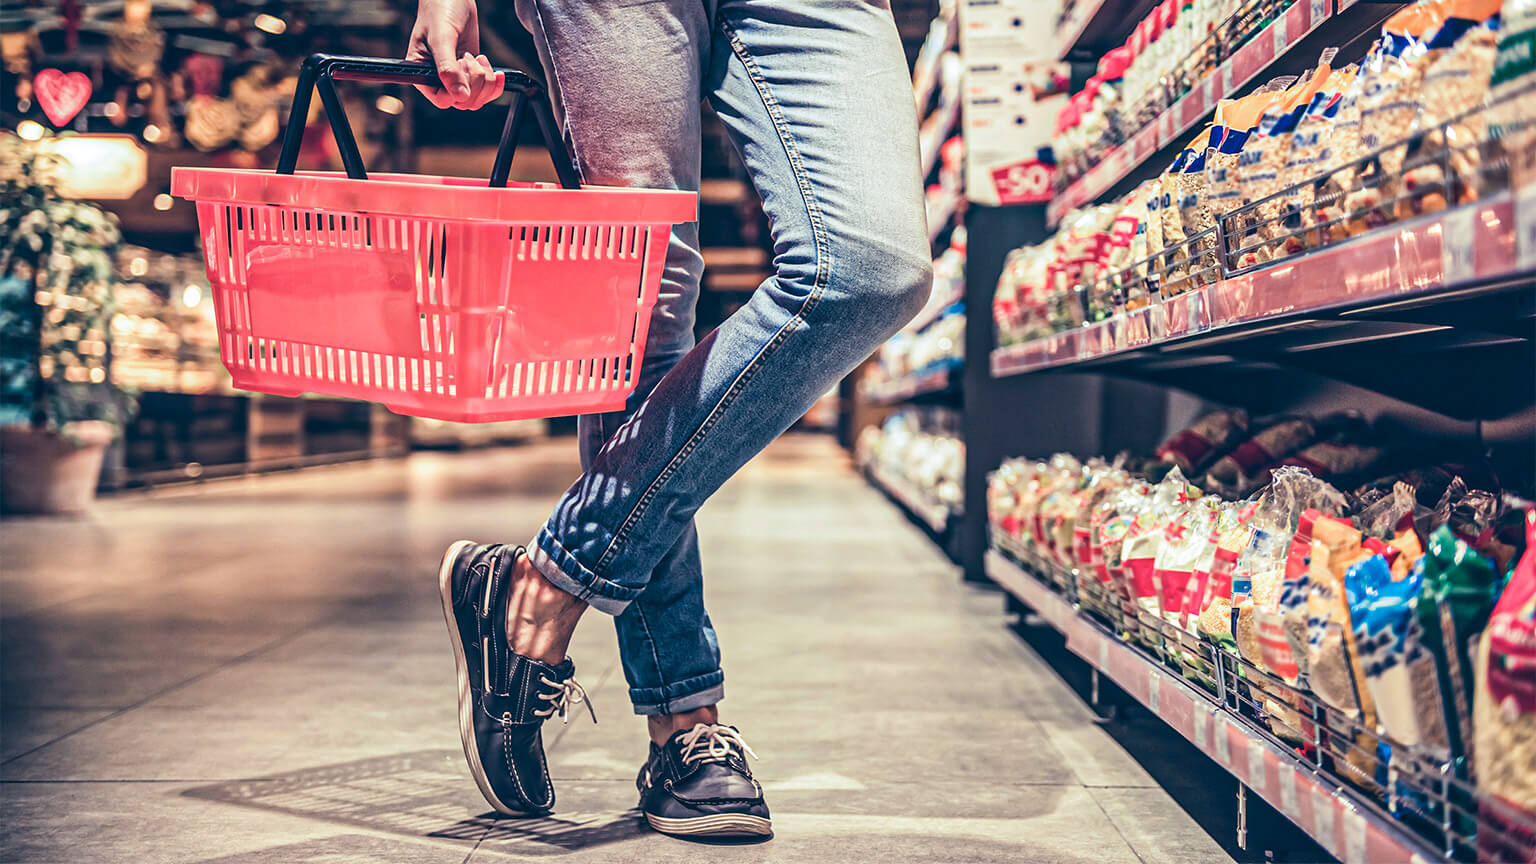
(650, 643)
(818, 286)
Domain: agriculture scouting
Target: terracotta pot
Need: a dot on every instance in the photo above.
(43, 472)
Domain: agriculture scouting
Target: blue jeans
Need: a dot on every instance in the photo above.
(817, 98)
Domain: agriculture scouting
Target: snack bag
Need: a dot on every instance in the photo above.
(1329, 655)
(1310, 151)
(1459, 589)
(1512, 91)
(1399, 668)
(1138, 556)
(1455, 85)
(1504, 712)
(1185, 538)
(1195, 218)
(1247, 466)
(1267, 178)
(1338, 152)
(1388, 110)
(1153, 192)
(1111, 522)
(1193, 449)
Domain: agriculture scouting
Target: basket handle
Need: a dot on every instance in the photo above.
(321, 70)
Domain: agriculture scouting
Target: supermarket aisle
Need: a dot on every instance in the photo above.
(258, 672)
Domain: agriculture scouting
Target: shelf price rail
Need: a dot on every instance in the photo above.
(1228, 709)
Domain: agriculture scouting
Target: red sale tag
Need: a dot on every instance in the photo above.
(1023, 182)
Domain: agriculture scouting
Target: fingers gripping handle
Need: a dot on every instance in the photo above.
(321, 70)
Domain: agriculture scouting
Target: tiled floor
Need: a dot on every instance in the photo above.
(258, 671)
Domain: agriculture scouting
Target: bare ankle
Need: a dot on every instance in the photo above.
(540, 616)
(664, 726)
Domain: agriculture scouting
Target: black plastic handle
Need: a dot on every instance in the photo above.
(321, 70)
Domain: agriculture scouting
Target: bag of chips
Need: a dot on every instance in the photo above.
(1504, 713)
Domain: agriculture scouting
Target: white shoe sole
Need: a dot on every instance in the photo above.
(466, 699)
(717, 825)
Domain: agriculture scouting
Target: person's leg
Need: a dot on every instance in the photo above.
(630, 77)
(625, 84)
(818, 98)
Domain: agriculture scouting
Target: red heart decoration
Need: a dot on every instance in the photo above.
(61, 95)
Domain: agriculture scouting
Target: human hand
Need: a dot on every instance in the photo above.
(447, 34)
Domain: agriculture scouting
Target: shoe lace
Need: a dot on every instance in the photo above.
(707, 742)
(566, 694)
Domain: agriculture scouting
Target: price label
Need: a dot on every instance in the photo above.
(1155, 692)
(1211, 88)
(1223, 743)
(1289, 805)
(1322, 819)
(1103, 654)
(1458, 246)
(1354, 836)
(1281, 36)
(1256, 778)
(1319, 11)
(1165, 135)
(1525, 227)
(1202, 718)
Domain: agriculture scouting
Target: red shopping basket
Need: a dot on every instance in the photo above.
(437, 296)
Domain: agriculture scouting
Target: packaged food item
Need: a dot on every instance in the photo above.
(1311, 151)
(1511, 96)
(1193, 449)
(1504, 713)
(1336, 459)
(1330, 656)
(1247, 466)
(1230, 518)
(1100, 486)
(1186, 214)
(1455, 86)
(1185, 537)
(1459, 589)
(1340, 149)
(1240, 124)
(1143, 539)
(1156, 204)
(1111, 524)
(1389, 107)
(1399, 668)
(1267, 176)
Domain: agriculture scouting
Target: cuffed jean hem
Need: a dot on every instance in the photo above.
(563, 571)
(696, 692)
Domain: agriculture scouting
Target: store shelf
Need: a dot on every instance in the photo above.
(1239, 70)
(1098, 24)
(905, 493)
(937, 382)
(1338, 817)
(1458, 279)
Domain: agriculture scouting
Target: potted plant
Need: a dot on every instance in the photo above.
(58, 407)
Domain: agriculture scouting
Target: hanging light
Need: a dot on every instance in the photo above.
(389, 104)
(152, 133)
(192, 295)
(164, 201)
(30, 130)
(270, 24)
